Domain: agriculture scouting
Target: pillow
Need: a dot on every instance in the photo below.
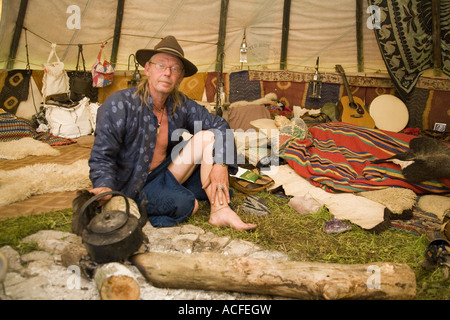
(240, 117)
(265, 126)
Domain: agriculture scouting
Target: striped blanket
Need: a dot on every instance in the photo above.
(337, 157)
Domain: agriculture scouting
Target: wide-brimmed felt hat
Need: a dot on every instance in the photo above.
(171, 46)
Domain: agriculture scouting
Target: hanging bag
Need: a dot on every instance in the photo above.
(56, 80)
(80, 81)
(102, 73)
(72, 122)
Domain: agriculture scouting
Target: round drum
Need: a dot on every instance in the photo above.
(389, 113)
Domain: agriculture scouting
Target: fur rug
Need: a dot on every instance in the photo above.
(437, 205)
(19, 149)
(269, 98)
(397, 200)
(20, 184)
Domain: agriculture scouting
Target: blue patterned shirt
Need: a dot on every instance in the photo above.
(125, 139)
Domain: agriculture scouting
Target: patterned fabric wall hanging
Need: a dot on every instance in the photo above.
(330, 93)
(241, 88)
(15, 90)
(357, 80)
(288, 92)
(194, 86)
(405, 39)
(445, 35)
(210, 85)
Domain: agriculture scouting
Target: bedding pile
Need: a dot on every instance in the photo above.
(337, 157)
(333, 165)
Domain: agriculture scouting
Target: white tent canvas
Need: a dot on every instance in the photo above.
(316, 28)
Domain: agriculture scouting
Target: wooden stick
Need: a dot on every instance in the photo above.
(301, 280)
(436, 36)
(360, 35)
(285, 34)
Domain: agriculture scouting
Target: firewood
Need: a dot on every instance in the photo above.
(301, 280)
(116, 282)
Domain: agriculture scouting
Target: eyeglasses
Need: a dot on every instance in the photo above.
(163, 67)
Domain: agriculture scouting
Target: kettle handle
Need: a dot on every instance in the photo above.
(95, 198)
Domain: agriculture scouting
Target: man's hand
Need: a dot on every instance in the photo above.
(100, 190)
(219, 181)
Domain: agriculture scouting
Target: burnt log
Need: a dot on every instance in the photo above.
(116, 282)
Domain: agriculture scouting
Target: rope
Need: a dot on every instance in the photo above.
(26, 49)
(160, 38)
(109, 39)
(68, 44)
(28, 68)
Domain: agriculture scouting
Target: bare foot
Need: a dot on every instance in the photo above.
(226, 217)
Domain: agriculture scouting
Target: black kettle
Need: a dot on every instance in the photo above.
(114, 235)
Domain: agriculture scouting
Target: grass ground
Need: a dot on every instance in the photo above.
(300, 237)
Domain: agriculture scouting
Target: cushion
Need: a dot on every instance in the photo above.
(265, 126)
(240, 117)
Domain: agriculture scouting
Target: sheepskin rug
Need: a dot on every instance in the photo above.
(359, 210)
(20, 184)
(19, 149)
(397, 200)
(437, 205)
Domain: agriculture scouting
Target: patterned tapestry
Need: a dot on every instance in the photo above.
(210, 85)
(445, 35)
(242, 89)
(288, 92)
(330, 93)
(15, 90)
(405, 39)
(194, 86)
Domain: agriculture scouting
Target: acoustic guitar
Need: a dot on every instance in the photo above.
(352, 109)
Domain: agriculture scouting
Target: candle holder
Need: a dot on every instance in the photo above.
(316, 83)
